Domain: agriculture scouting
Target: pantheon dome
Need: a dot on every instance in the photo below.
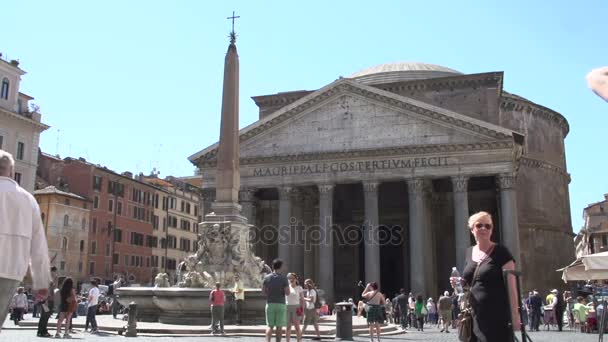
(402, 71)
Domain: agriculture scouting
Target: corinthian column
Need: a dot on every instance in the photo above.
(461, 215)
(508, 214)
(247, 200)
(284, 225)
(326, 244)
(370, 232)
(297, 232)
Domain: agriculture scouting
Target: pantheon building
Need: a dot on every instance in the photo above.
(373, 177)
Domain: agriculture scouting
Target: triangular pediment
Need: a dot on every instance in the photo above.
(346, 115)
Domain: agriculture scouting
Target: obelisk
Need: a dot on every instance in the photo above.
(228, 176)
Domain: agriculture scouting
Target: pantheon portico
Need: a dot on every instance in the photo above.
(373, 177)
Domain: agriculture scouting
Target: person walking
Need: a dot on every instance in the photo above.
(18, 305)
(21, 233)
(558, 308)
(275, 287)
(445, 311)
(295, 306)
(311, 316)
(375, 299)
(217, 298)
(46, 306)
(93, 300)
(536, 303)
(67, 307)
(239, 296)
(490, 299)
(432, 311)
(403, 307)
(419, 309)
(115, 304)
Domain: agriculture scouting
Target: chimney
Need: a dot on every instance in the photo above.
(127, 174)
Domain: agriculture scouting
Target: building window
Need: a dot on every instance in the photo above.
(66, 201)
(110, 205)
(62, 265)
(126, 260)
(107, 249)
(64, 243)
(117, 235)
(1, 141)
(5, 88)
(81, 246)
(93, 247)
(18, 178)
(20, 150)
(80, 267)
(137, 239)
(91, 268)
(115, 258)
(188, 208)
(94, 225)
(95, 202)
(84, 224)
(119, 208)
(97, 183)
(66, 220)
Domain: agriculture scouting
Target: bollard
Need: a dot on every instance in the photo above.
(344, 321)
(132, 323)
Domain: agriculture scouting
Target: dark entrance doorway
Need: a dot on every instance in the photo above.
(394, 237)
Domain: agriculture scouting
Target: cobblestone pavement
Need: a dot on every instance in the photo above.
(429, 335)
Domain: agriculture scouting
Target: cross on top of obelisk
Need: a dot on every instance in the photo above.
(232, 33)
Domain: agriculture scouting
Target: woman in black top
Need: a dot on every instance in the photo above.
(488, 294)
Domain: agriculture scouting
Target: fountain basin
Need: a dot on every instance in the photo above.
(147, 310)
(189, 306)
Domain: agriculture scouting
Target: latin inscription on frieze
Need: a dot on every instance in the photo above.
(350, 166)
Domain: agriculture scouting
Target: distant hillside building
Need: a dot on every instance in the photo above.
(20, 128)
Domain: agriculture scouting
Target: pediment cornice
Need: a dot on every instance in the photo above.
(347, 86)
(389, 151)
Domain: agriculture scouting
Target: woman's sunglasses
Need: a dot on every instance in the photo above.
(483, 225)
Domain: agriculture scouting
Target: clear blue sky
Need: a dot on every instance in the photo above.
(137, 84)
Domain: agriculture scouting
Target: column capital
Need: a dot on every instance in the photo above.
(416, 186)
(325, 189)
(370, 186)
(506, 181)
(285, 192)
(460, 183)
(247, 195)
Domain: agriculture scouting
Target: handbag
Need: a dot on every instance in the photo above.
(299, 311)
(465, 318)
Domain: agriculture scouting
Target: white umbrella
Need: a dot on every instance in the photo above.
(588, 267)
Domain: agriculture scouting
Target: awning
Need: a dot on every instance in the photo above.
(588, 267)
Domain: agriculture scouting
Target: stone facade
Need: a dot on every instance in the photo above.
(593, 237)
(20, 128)
(66, 218)
(410, 154)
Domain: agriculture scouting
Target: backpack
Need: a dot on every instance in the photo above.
(317, 300)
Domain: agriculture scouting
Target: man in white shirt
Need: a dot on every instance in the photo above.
(598, 82)
(92, 310)
(18, 305)
(239, 296)
(22, 237)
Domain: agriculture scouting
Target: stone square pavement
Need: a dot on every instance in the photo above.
(26, 332)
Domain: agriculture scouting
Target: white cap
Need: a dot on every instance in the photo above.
(446, 293)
